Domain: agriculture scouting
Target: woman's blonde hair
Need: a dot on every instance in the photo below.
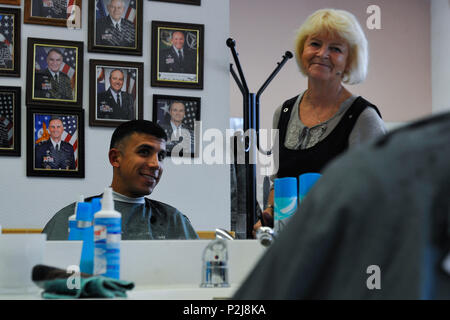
(344, 25)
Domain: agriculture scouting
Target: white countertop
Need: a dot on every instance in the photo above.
(150, 293)
(161, 269)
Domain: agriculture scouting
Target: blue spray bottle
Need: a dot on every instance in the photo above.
(285, 200)
(108, 233)
(86, 232)
(96, 205)
(73, 229)
(305, 182)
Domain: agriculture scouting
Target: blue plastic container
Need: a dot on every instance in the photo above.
(86, 231)
(96, 205)
(285, 201)
(305, 183)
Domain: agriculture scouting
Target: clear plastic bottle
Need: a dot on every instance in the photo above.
(107, 237)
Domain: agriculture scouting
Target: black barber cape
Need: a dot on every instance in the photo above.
(152, 220)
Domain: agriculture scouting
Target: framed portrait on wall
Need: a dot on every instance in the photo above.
(177, 55)
(54, 73)
(177, 116)
(55, 142)
(193, 2)
(59, 13)
(10, 106)
(115, 26)
(115, 91)
(12, 2)
(10, 42)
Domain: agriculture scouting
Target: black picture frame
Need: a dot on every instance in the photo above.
(42, 159)
(52, 14)
(101, 33)
(166, 70)
(162, 116)
(42, 89)
(11, 2)
(10, 121)
(103, 109)
(192, 2)
(10, 51)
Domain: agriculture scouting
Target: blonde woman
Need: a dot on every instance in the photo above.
(325, 119)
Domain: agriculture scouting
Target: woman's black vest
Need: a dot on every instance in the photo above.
(293, 163)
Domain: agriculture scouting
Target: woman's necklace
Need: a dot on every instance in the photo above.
(314, 108)
(316, 114)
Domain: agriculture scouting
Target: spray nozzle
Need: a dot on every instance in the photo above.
(108, 200)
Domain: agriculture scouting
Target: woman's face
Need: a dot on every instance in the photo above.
(325, 57)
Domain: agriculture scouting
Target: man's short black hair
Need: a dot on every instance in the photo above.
(136, 126)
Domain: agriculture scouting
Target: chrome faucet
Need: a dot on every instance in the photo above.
(215, 261)
(223, 234)
(265, 236)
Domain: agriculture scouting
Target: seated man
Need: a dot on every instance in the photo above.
(136, 153)
(375, 226)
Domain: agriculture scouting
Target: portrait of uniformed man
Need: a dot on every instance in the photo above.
(55, 153)
(178, 58)
(56, 9)
(52, 83)
(113, 29)
(176, 130)
(113, 103)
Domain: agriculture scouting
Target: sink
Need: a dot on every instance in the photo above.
(180, 293)
(165, 269)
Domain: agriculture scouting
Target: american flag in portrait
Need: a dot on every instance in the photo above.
(7, 118)
(130, 13)
(68, 65)
(7, 37)
(192, 112)
(101, 79)
(131, 82)
(70, 134)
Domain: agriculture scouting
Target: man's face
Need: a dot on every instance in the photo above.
(56, 129)
(116, 80)
(177, 112)
(116, 9)
(178, 39)
(139, 164)
(54, 61)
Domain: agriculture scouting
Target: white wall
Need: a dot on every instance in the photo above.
(201, 192)
(440, 53)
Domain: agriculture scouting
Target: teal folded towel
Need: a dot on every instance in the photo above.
(92, 287)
